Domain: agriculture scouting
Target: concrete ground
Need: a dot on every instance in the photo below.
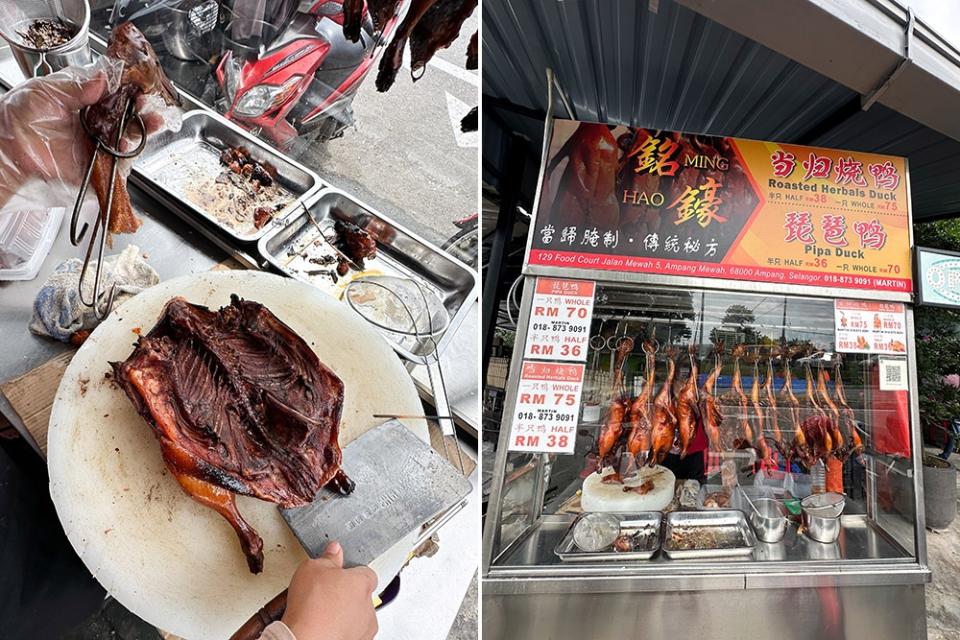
(943, 593)
(406, 155)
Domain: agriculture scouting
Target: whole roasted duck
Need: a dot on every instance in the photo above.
(832, 413)
(142, 74)
(641, 410)
(709, 410)
(664, 415)
(240, 404)
(763, 449)
(744, 435)
(848, 418)
(815, 410)
(789, 400)
(613, 427)
(586, 189)
(429, 25)
(771, 398)
(688, 405)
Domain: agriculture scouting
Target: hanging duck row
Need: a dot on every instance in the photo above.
(647, 427)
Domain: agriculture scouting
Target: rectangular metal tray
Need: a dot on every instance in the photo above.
(173, 161)
(645, 521)
(723, 522)
(400, 252)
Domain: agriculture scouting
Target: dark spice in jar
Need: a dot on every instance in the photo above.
(47, 33)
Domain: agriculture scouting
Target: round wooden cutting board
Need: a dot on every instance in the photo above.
(171, 561)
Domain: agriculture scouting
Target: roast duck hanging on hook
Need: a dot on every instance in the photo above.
(820, 426)
(105, 121)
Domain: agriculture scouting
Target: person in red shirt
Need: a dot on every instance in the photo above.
(694, 465)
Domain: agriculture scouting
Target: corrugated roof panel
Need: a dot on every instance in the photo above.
(682, 72)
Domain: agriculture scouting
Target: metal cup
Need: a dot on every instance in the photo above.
(769, 519)
(821, 529)
(36, 62)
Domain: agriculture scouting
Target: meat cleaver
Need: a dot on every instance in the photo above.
(402, 484)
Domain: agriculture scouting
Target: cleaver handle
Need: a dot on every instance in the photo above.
(270, 612)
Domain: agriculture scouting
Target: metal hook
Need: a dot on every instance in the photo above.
(102, 223)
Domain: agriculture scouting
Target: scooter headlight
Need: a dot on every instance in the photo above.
(231, 78)
(265, 97)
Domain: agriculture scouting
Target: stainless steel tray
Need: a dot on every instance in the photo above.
(290, 245)
(646, 523)
(181, 168)
(729, 525)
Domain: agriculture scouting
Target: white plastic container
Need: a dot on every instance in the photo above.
(26, 236)
(799, 485)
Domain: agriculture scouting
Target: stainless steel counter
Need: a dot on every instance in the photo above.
(859, 540)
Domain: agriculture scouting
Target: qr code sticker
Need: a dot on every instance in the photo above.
(893, 375)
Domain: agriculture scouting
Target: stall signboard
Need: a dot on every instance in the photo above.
(863, 326)
(548, 403)
(938, 277)
(636, 200)
(559, 327)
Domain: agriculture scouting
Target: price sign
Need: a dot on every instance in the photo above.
(548, 403)
(560, 318)
(870, 327)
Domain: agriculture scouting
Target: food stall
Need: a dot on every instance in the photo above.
(710, 427)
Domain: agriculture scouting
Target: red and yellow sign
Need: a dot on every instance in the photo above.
(637, 200)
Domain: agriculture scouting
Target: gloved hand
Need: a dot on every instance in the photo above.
(40, 132)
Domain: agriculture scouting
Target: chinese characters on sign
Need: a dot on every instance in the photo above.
(635, 200)
(870, 327)
(560, 318)
(548, 404)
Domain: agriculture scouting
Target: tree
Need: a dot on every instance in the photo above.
(739, 320)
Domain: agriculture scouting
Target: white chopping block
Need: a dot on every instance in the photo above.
(611, 498)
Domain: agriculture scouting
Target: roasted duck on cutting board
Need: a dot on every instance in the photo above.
(240, 404)
(141, 75)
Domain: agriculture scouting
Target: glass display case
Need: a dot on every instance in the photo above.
(778, 405)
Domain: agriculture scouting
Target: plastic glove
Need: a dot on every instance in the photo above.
(40, 132)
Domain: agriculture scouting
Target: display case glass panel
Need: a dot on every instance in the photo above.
(806, 395)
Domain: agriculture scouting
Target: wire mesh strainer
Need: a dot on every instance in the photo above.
(17, 16)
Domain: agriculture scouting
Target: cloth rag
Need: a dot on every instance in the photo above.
(58, 311)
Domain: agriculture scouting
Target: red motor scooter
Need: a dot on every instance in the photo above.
(287, 70)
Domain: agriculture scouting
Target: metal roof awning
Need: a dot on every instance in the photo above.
(784, 70)
(879, 48)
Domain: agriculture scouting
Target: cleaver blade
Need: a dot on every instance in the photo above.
(401, 484)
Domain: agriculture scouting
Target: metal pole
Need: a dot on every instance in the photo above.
(492, 286)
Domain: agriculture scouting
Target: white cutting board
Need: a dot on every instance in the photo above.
(177, 564)
(611, 498)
